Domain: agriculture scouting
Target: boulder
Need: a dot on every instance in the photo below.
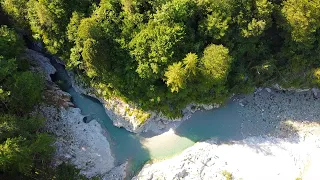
(316, 92)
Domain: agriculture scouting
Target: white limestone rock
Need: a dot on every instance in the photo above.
(316, 92)
(84, 145)
(40, 63)
(268, 90)
(262, 158)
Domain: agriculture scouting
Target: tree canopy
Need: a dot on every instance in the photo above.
(163, 55)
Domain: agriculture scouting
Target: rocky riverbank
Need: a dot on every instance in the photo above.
(270, 157)
(279, 138)
(124, 114)
(84, 145)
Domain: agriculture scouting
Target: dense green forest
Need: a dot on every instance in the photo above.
(23, 150)
(163, 55)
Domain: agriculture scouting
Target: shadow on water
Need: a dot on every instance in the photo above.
(263, 114)
(221, 124)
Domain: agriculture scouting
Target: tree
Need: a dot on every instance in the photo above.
(177, 11)
(26, 91)
(154, 47)
(8, 67)
(8, 126)
(191, 63)
(10, 44)
(72, 28)
(175, 77)
(261, 19)
(218, 18)
(303, 20)
(17, 10)
(23, 150)
(15, 156)
(216, 63)
(49, 20)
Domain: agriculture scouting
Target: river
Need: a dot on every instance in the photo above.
(222, 124)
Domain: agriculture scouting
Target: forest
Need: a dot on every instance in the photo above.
(158, 54)
(163, 55)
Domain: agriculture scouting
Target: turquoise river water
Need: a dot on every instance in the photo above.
(221, 124)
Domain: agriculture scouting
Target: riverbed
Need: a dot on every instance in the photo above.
(262, 113)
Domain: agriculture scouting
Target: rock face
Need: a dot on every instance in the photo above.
(115, 108)
(297, 156)
(40, 63)
(84, 145)
(54, 95)
(117, 173)
(123, 114)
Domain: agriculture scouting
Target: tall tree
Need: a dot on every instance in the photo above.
(303, 20)
(216, 63)
(175, 77)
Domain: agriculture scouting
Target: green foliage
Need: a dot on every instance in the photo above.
(15, 156)
(154, 47)
(72, 28)
(7, 67)
(160, 55)
(260, 20)
(49, 19)
(19, 144)
(26, 91)
(10, 44)
(175, 77)
(191, 64)
(17, 9)
(163, 55)
(216, 24)
(227, 175)
(67, 171)
(303, 19)
(216, 63)
(24, 151)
